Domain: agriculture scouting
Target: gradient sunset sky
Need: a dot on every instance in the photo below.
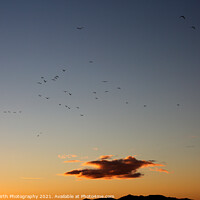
(124, 88)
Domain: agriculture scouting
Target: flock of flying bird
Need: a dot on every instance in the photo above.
(44, 81)
(56, 77)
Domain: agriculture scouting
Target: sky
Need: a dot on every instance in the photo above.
(100, 97)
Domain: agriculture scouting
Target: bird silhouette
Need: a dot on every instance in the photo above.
(118, 88)
(104, 81)
(39, 83)
(39, 134)
(193, 27)
(145, 105)
(64, 70)
(183, 17)
(80, 28)
(67, 107)
(90, 61)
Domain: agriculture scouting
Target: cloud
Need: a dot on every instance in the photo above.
(84, 157)
(63, 156)
(72, 161)
(30, 178)
(160, 170)
(106, 157)
(125, 168)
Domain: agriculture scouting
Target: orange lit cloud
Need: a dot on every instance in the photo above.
(160, 170)
(125, 168)
(106, 157)
(63, 156)
(84, 157)
(72, 161)
(30, 178)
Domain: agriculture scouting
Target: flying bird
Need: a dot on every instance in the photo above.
(39, 134)
(67, 107)
(64, 70)
(145, 105)
(90, 61)
(47, 97)
(182, 17)
(193, 27)
(81, 115)
(39, 83)
(119, 88)
(80, 28)
(104, 81)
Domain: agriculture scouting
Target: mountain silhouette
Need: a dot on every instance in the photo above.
(150, 197)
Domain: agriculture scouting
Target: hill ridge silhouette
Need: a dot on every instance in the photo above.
(141, 197)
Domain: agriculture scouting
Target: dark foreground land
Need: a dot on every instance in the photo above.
(150, 197)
